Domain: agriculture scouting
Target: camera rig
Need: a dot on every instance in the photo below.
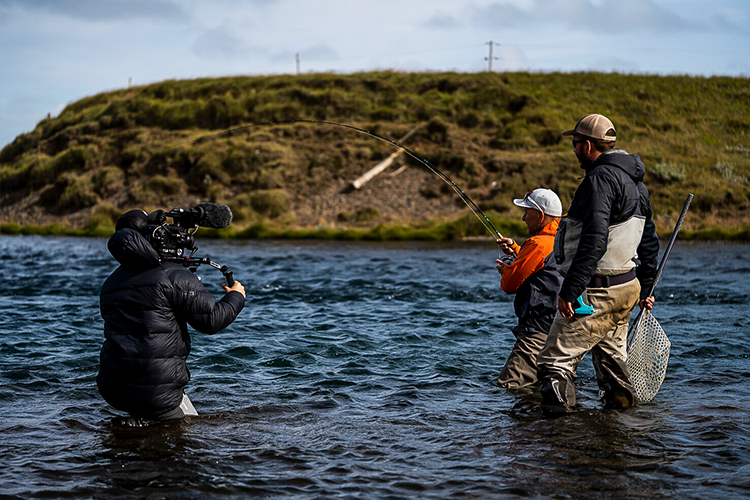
(173, 241)
(192, 263)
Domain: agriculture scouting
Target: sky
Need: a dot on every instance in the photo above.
(54, 52)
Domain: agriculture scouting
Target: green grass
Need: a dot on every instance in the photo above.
(497, 135)
(436, 232)
(102, 223)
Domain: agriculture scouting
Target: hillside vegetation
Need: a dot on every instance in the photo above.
(496, 135)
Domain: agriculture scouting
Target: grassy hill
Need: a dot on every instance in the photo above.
(496, 135)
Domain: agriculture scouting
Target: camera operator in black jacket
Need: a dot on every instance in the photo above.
(146, 305)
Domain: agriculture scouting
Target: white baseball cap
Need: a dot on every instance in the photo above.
(543, 200)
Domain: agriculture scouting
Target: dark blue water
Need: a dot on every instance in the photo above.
(365, 371)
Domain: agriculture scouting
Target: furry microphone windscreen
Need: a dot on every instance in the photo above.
(213, 215)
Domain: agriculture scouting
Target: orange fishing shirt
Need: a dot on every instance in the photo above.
(530, 258)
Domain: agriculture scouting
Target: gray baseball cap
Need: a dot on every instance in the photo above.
(543, 200)
(594, 126)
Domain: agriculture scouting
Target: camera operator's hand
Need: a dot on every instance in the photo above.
(237, 287)
(157, 217)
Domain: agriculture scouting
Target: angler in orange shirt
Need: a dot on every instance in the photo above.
(533, 277)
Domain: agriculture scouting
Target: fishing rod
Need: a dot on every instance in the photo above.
(460, 192)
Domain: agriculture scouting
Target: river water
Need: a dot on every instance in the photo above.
(365, 371)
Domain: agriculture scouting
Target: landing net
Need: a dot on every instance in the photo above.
(648, 354)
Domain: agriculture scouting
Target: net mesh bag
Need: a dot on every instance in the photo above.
(648, 354)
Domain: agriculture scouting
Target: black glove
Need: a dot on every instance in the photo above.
(133, 219)
(157, 218)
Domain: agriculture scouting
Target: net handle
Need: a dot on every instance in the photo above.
(639, 319)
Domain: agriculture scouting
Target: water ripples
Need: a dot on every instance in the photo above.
(365, 370)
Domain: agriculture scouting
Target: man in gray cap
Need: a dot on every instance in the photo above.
(532, 277)
(606, 248)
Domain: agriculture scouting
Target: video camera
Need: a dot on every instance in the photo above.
(173, 241)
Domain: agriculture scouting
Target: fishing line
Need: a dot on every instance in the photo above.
(460, 192)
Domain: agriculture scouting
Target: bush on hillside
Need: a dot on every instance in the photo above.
(360, 215)
(78, 194)
(270, 203)
(242, 210)
(69, 192)
(18, 175)
(667, 172)
(726, 170)
(21, 144)
(206, 172)
(158, 190)
(272, 179)
(108, 181)
(70, 160)
(102, 221)
(739, 149)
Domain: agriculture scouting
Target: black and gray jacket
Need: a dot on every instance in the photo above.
(536, 300)
(609, 228)
(146, 306)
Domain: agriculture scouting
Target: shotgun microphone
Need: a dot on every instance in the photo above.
(204, 214)
(213, 215)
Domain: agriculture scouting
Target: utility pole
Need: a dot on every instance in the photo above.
(490, 59)
(297, 63)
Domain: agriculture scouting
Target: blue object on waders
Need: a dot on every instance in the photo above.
(583, 308)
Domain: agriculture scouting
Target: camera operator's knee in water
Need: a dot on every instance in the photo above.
(185, 409)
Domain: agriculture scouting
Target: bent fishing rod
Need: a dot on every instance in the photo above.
(460, 192)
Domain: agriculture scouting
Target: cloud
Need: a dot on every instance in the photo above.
(221, 42)
(601, 17)
(441, 20)
(101, 10)
(731, 19)
(320, 52)
(501, 15)
(511, 58)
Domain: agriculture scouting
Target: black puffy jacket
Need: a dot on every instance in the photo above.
(146, 306)
(611, 193)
